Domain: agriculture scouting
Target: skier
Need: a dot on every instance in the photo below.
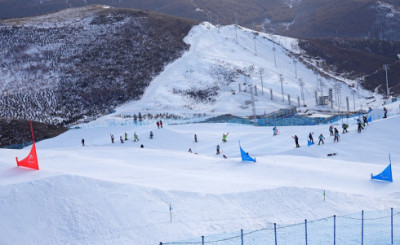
(126, 136)
(275, 130)
(385, 112)
(224, 137)
(359, 126)
(195, 138)
(112, 138)
(345, 126)
(336, 135)
(190, 150)
(296, 140)
(151, 135)
(321, 139)
(120, 138)
(158, 124)
(365, 120)
(141, 146)
(218, 150)
(135, 137)
(331, 130)
(311, 138)
(83, 142)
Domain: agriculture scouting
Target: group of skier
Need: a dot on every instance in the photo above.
(333, 131)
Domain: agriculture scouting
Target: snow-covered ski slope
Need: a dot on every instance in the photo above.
(107, 193)
(216, 64)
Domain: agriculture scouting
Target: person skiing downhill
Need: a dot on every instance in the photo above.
(359, 126)
(275, 130)
(120, 138)
(365, 120)
(218, 148)
(158, 124)
(151, 135)
(296, 140)
(195, 138)
(126, 136)
(224, 137)
(135, 137)
(345, 126)
(336, 139)
(83, 142)
(321, 139)
(311, 138)
(112, 138)
(385, 112)
(331, 130)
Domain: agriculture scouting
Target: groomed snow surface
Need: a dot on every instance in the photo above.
(106, 193)
(216, 59)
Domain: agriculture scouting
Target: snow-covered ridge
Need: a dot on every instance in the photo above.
(119, 193)
(217, 74)
(392, 11)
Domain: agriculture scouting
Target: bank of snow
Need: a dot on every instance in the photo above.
(107, 193)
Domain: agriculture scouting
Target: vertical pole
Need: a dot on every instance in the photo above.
(391, 224)
(386, 67)
(316, 97)
(298, 100)
(272, 97)
(276, 241)
(305, 223)
(33, 136)
(362, 227)
(262, 85)
(241, 235)
(281, 80)
(288, 97)
(202, 240)
(334, 229)
(347, 103)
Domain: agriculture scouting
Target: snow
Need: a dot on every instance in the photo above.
(214, 53)
(106, 193)
(119, 193)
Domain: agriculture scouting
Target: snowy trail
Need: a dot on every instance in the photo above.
(128, 190)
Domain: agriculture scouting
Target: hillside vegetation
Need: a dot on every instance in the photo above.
(60, 67)
(370, 19)
(358, 59)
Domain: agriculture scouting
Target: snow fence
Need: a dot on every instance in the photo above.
(375, 227)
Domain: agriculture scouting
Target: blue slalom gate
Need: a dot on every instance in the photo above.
(245, 156)
(385, 175)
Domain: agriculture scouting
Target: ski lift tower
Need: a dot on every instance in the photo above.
(386, 68)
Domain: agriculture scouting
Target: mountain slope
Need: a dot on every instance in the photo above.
(218, 75)
(79, 62)
(373, 19)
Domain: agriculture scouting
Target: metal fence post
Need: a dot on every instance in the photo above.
(391, 224)
(241, 235)
(305, 223)
(334, 229)
(276, 241)
(362, 227)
